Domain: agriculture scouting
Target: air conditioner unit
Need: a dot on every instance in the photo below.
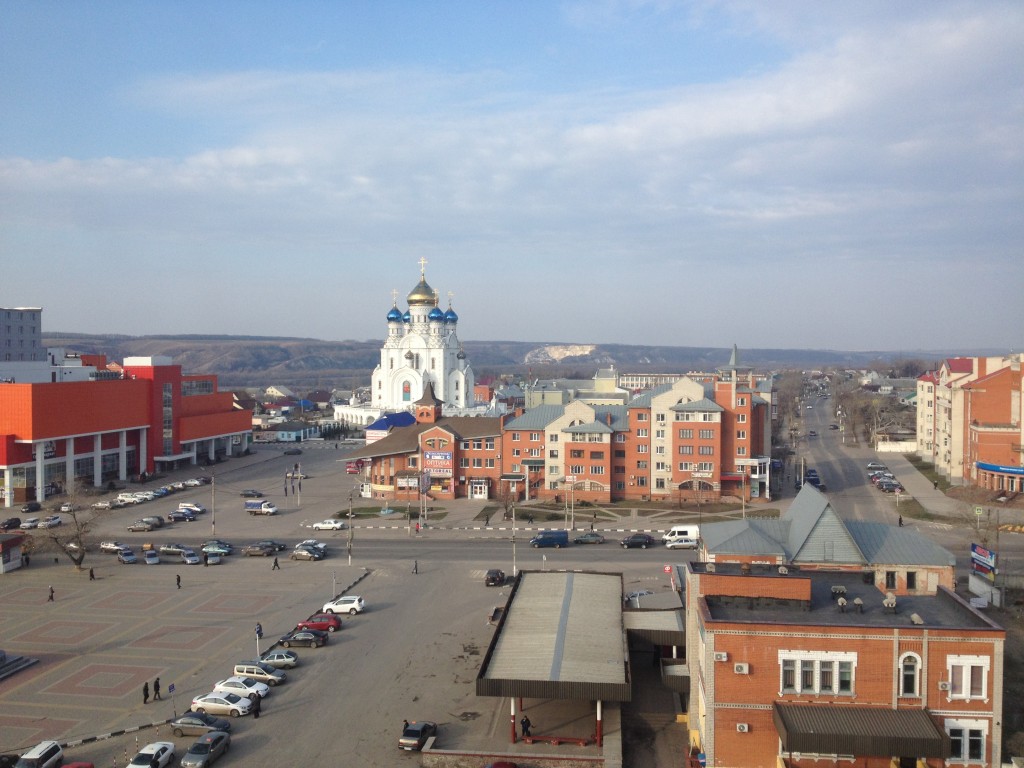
(721, 656)
(943, 685)
(742, 727)
(741, 669)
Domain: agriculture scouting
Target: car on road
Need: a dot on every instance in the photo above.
(681, 544)
(222, 704)
(281, 659)
(833, 426)
(10, 524)
(173, 548)
(220, 548)
(31, 506)
(872, 465)
(318, 545)
(296, 475)
(251, 493)
(189, 557)
(350, 604)
(257, 550)
(306, 553)
(67, 506)
(151, 557)
(111, 547)
(192, 482)
(140, 526)
(331, 524)
(182, 516)
(415, 735)
(198, 724)
(261, 671)
(812, 433)
(243, 686)
(637, 541)
(156, 755)
(206, 750)
(293, 452)
(29, 523)
(494, 578)
(51, 522)
(277, 545)
(325, 622)
(102, 504)
(313, 638)
(127, 557)
(590, 537)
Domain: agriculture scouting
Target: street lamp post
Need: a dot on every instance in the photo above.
(351, 531)
(514, 571)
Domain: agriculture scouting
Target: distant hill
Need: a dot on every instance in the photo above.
(254, 361)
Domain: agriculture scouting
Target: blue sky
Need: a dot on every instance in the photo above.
(785, 174)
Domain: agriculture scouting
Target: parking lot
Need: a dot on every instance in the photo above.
(413, 654)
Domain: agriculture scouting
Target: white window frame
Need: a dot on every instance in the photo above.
(967, 663)
(816, 659)
(967, 726)
(916, 693)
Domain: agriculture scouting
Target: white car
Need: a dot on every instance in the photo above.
(193, 483)
(156, 755)
(29, 523)
(112, 547)
(51, 522)
(222, 704)
(330, 525)
(350, 604)
(67, 506)
(151, 557)
(681, 544)
(312, 543)
(243, 686)
(104, 504)
(189, 557)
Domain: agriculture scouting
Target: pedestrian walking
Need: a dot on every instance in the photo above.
(50, 598)
(936, 485)
(901, 521)
(415, 566)
(256, 706)
(417, 526)
(526, 725)
(276, 566)
(145, 693)
(177, 579)
(92, 576)
(206, 559)
(156, 689)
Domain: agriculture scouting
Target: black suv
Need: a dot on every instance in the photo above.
(494, 578)
(32, 506)
(10, 523)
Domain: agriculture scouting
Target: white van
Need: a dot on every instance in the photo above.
(678, 533)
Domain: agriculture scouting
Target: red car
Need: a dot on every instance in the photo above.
(325, 622)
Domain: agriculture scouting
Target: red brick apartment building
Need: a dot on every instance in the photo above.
(148, 418)
(784, 673)
(686, 439)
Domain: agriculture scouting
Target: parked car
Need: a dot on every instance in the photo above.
(156, 755)
(306, 553)
(494, 578)
(29, 523)
(150, 557)
(243, 686)
(127, 557)
(251, 493)
(219, 548)
(198, 724)
(314, 638)
(293, 452)
(45, 754)
(173, 548)
(281, 659)
(590, 537)
(50, 522)
(260, 670)
(67, 506)
(112, 547)
(206, 750)
(182, 516)
(193, 482)
(222, 704)
(331, 524)
(102, 504)
(10, 524)
(415, 735)
(326, 622)
(189, 557)
(350, 604)
(258, 550)
(317, 545)
(876, 465)
(277, 545)
(140, 525)
(681, 544)
(31, 506)
(638, 540)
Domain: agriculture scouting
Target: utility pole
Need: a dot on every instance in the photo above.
(213, 503)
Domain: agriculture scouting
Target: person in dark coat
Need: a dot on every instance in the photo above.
(50, 598)
(156, 689)
(525, 724)
(256, 704)
(177, 579)
(145, 693)
(276, 566)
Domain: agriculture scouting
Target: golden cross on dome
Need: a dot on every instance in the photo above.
(423, 267)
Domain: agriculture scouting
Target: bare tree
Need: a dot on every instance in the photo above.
(71, 538)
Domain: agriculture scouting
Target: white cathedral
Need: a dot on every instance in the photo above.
(421, 348)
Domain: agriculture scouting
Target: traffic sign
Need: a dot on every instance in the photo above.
(978, 510)
(668, 569)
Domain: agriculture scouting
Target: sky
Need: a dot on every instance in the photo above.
(843, 176)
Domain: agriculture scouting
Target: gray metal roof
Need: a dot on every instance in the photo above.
(663, 627)
(703, 405)
(643, 400)
(535, 418)
(890, 545)
(831, 729)
(561, 636)
(594, 427)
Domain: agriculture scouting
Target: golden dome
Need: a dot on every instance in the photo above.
(422, 295)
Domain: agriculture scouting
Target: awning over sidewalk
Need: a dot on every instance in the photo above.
(859, 731)
(662, 627)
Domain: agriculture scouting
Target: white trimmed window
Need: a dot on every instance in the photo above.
(966, 740)
(817, 672)
(910, 675)
(968, 677)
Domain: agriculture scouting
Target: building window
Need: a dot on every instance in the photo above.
(641, 433)
(597, 455)
(478, 445)
(553, 453)
(686, 434)
(910, 670)
(911, 580)
(643, 449)
(741, 434)
(478, 463)
(489, 463)
(659, 483)
(596, 469)
(707, 434)
(968, 677)
(535, 436)
(464, 463)
(706, 450)
(553, 438)
(489, 444)
(741, 401)
(641, 465)
(576, 469)
(576, 453)
(741, 450)
(660, 418)
(515, 453)
(741, 418)
(816, 672)
(966, 740)
(659, 434)
(686, 450)
(641, 416)
(890, 579)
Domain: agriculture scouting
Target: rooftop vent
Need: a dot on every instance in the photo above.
(841, 602)
(783, 570)
(890, 603)
(916, 619)
(858, 604)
